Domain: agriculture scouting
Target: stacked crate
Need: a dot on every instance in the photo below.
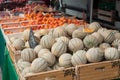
(106, 10)
(108, 16)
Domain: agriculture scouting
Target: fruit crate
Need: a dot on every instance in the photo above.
(64, 74)
(10, 25)
(105, 18)
(107, 13)
(13, 19)
(96, 71)
(104, 70)
(19, 29)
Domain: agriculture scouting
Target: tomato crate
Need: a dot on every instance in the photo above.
(19, 24)
(13, 19)
(10, 25)
(14, 30)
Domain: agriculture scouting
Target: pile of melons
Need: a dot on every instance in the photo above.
(66, 46)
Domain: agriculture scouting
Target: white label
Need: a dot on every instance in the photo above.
(21, 15)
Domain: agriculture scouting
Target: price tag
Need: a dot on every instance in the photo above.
(21, 15)
(18, 13)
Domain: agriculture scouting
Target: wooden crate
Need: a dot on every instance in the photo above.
(106, 70)
(6, 20)
(105, 18)
(12, 52)
(14, 30)
(12, 24)
(108, 13)
(64, 74)
(11, 49)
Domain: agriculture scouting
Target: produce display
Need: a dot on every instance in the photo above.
(29, 8)
(47, 44)
(59, 49)
(40, 21)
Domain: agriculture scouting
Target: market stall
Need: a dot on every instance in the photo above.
(45, 44)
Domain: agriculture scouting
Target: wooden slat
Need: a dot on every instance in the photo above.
(12, 25)
(98, 71)
(96, 67)
(57, 75)
(11, 52)
(108, 13)
(99, 77)
(18, 72)
(105, 18)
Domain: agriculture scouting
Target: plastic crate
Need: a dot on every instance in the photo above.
(8, 70)
(2, 47)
